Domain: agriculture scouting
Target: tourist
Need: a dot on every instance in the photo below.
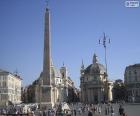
(43, 112)
(74, 112)
(106, 112)
(94, 109)
(124, 114)
(80, 111)
(112, 111)
(121, 110)
(108, 109)
(49, 112)
(83, 109)
(90, 113)
(99, 109)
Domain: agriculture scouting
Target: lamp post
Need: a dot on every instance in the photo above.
(104, 42)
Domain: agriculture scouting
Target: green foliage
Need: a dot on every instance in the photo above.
(119, 91)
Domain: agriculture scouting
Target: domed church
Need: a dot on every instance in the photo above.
(94, 84)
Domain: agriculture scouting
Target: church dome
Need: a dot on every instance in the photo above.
(95, 67)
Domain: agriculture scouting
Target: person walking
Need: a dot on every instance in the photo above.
(121, 110)
(108, 110)
(90, 113)
(112, 111)
(80, 111)
(106, 113)
(124, 114)
(99, 109)
(74, 112)
(94, 109)
(49, 112)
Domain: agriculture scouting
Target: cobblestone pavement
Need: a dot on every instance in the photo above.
(130, 109)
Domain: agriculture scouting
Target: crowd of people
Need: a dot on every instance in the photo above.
(98, 110)
(18, 109)
(77, 109)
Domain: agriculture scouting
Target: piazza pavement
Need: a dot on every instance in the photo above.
(129, 109)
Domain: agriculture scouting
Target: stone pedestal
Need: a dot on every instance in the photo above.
(46, 97)
(46, 105)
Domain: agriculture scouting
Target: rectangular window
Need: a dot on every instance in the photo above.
(4, 77)
(136, 78)
(129, 78)
(1, 77)
(4, 84)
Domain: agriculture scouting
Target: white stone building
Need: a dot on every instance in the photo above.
(10, 88)
(132, 82)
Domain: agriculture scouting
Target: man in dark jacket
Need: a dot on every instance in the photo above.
(121, 110)
(90, 113)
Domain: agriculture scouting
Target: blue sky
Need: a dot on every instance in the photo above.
(76, 26)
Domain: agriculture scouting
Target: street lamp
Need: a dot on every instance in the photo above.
(104, 42)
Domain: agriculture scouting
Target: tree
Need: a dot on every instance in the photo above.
(73, 96)
(119, 91)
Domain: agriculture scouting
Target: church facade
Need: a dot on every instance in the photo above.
(94, 84)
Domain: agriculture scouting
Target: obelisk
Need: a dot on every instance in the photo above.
(47, 51)
(46, 88)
